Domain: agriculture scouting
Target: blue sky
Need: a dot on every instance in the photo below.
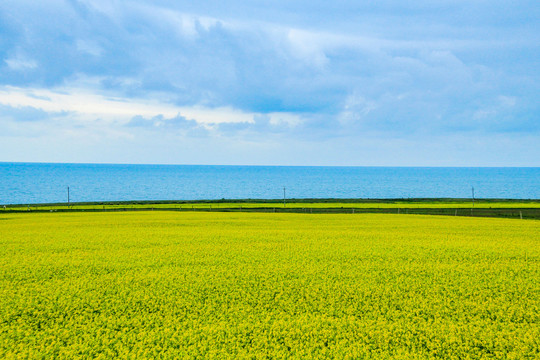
(386, 83)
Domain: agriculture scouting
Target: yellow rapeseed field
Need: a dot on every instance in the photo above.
(267, 286)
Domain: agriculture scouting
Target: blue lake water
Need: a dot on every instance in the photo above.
(22, 183)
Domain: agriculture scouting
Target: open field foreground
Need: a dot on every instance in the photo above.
(262, 285)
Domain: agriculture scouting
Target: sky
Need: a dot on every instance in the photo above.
(344, 83)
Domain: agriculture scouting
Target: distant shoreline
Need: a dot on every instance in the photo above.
(291, 200)
(500, 208)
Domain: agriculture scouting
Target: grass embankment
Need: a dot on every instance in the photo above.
(291, 203)
(253, 285)
(527, 209)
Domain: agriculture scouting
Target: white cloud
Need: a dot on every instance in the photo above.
(21, 63)
(89, 47)
(507, 101)
(304, 45)
(90, 106)
(356, 108)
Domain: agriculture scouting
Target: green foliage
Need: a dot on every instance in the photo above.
(315, 204)
(250, 285)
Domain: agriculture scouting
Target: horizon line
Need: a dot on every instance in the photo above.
(259, 165)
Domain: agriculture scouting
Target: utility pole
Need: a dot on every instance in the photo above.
(284, 196)
(68, 195)
(472, 196)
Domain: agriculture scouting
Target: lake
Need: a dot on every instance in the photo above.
(22, 183)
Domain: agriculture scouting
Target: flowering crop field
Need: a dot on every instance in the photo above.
(259, 286)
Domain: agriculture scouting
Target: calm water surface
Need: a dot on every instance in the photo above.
(22, 183)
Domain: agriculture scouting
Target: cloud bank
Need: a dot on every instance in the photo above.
(448, 83)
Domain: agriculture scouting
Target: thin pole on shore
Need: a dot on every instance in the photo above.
(68, 194)
(284, 204)
(472, 188)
